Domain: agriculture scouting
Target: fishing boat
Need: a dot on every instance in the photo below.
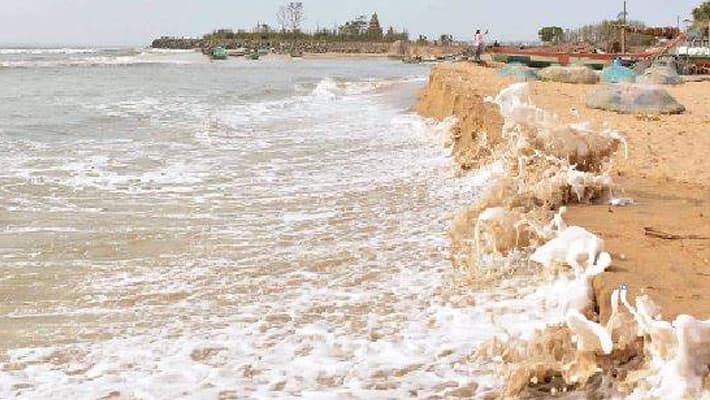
(240, 52)
(693, 60)
(254, 55)
(218, 53)
(540, 57)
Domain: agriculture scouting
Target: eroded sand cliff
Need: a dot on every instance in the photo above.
(660, 244)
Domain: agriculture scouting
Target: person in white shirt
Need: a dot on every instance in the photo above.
(479, 44)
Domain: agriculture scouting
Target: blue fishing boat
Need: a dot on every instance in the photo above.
(218, 53)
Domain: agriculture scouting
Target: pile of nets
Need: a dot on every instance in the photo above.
(518, 72)
(660, 75)
(618, 73)
(569, 74)
(631, 98)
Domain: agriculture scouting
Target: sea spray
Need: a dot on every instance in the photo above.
(549, 164)
(544, 165)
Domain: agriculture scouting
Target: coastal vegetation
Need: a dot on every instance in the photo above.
(701, 15)
(290, 19)
(551, 34)
(701, 20)
(607, 31)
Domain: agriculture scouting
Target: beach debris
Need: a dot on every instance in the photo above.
(634, 98)
(653, 232)
(618, 73)
(569, 74)
(621, 201)
(660, 75)
(518, 72)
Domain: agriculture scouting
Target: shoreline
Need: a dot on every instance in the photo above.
(665, 174)
(666, 158)
(336, 55)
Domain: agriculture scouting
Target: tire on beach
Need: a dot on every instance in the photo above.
(569, 74)
(631, 98)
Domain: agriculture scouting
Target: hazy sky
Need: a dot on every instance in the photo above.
(136, 22)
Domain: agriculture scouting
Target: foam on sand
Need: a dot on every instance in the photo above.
(547, 165)
(544, 165)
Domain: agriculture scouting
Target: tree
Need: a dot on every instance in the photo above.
(291, 16)
(262, 28)
(390, 33)
(701, 13)
(701, 16)
(605, 34)
(374, 30)
(446, 39)
(355, 29)
(551, 34)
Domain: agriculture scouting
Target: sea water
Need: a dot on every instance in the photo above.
(172, 227)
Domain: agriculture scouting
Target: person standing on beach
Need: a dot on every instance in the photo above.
(478, 44)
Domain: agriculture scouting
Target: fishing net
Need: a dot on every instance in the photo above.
(660, 75)
(634, 99)
(617, 73)
(518, 72)
(569, 74)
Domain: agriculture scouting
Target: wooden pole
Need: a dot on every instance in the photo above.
(623, 32)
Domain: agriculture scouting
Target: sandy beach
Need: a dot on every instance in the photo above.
(660, 244)
(666, 174)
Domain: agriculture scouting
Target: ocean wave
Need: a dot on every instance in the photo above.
(330, 88)
(47, 58)
(91, 62)
(37, 51)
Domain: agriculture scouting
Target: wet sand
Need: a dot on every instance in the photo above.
(666, 174)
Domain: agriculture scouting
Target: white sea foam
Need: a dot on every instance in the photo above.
(280, 248)
(46, 58)
(295, 247)
(36, 51)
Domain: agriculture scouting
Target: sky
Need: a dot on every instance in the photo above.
(137, 22)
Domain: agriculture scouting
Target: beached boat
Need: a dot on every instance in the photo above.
(254, 55)
(540, 57)
(296, 54)
(240, 52)
(218, 53)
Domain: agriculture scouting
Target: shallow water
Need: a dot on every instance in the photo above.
(176, 228)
